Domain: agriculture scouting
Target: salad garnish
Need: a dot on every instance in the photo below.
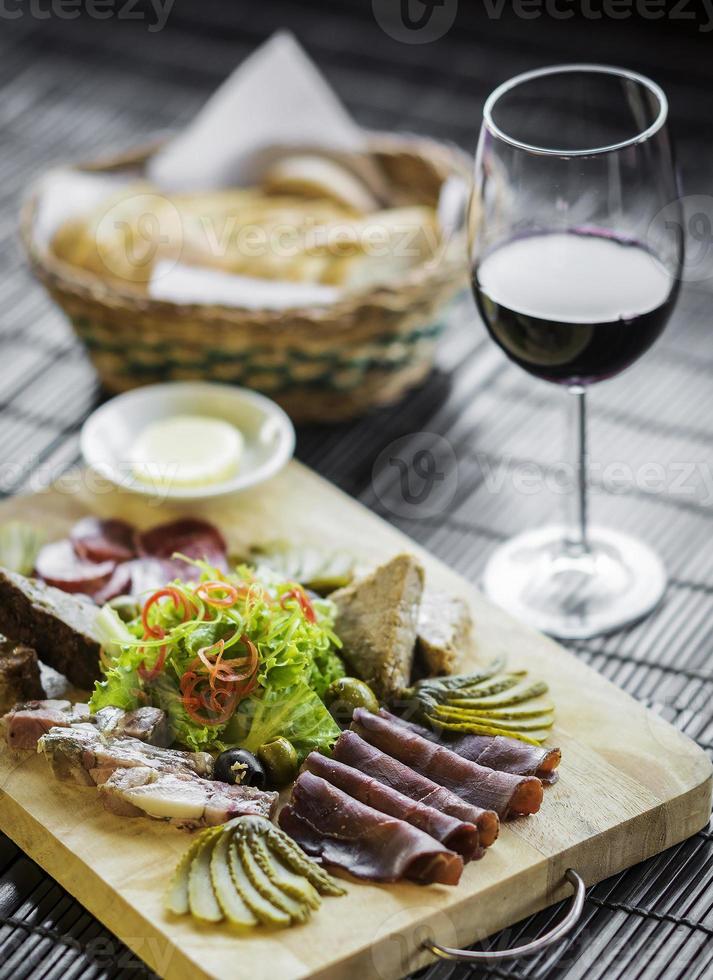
(234, 659)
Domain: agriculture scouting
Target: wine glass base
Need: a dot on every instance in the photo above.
(572, 594)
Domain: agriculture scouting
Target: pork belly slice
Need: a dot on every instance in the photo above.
(26, 723)
(353, 751)
(81, 753)
(454, 834)
(494, 751)
(346, 834)
(505, 793)
(187, 801)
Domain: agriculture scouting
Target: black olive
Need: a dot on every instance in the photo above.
(239, 766)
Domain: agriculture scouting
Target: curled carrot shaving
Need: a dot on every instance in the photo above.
(151, 673)
(223, 682)
(302, 598)
(182, 603)
(222, 595)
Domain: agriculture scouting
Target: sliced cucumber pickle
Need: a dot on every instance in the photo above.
(249, 872)
(234, 907)
(294, 885)
(297, 911)
(176, 898)
(297, 861)
(264, 911)
(201, 897)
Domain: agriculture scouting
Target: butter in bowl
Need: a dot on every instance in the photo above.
(188, 440)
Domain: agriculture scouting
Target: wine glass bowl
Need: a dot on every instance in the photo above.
(575, 280)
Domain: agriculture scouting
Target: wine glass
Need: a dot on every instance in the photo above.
(575, 275)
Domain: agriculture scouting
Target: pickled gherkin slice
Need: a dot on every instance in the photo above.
(297, 861)
(294, 885)
(476, 728)
(518, 724)
(235, 909)
(249, 872)
(486, 702)
(514, 695)
(176, 898)
(264, 910)
(515, 712)
(317, 570)
(201, 897)
(297, 911)
(456, 681)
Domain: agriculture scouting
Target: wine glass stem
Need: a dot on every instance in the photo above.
(579, 540)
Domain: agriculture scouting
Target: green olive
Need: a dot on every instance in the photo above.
(280, 761)
(346, 694)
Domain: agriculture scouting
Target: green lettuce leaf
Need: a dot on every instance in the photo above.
(295, 713)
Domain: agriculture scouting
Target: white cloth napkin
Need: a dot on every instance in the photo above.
(65, 194)
(189, 284)
(275, 101)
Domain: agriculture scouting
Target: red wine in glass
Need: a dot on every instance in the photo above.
(575, 274)
(573, 307)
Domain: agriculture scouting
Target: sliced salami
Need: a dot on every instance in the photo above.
(103, 540)
(59, 565)
(119, 583)
(148, 574)
(191, 537)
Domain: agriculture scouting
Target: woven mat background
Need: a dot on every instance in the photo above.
(72, 88)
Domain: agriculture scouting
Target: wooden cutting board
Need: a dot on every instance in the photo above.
(631, 785)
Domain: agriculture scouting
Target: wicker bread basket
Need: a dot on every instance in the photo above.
(322, 363)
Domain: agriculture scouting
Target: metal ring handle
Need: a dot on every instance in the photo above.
(490, 956)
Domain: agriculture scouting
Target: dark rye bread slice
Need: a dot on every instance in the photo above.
(377, 619)
(59, 626)
(19, 675)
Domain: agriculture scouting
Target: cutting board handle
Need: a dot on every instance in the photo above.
(559, 931)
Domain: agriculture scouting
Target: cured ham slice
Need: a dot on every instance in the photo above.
(347, 834)
(354, 751)
(494, 751)
(507, 794)
(451, 832)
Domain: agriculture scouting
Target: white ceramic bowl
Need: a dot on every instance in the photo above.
(109, 434)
